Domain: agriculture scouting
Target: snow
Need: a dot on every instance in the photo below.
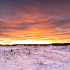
(35, 57)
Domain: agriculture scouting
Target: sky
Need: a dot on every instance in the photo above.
(34, 21)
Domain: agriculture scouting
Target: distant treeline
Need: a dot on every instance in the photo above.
(60, 44)
(53, 44)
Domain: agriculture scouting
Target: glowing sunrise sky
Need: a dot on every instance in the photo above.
(34, 21)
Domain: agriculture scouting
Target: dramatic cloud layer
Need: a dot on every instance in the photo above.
(35, 20)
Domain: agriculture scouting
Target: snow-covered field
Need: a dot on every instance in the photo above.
(35, 57)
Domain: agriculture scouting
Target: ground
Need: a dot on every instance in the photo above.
(35, 57)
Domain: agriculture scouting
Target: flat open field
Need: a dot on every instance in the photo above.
(35, 57)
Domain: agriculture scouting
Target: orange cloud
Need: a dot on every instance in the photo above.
(34, 20)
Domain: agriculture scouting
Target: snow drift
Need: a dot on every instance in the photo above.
(35, 57)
